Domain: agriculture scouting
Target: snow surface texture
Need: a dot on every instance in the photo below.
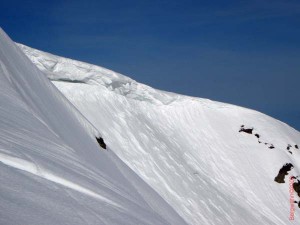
(188, 149)
(52, 171)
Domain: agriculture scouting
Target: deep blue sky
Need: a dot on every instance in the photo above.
(241, 52)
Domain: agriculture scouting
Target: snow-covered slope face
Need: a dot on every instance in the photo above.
(52, 171)
(188, 149)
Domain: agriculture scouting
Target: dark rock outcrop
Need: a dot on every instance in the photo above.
(288, 148)
(246, 130)
(101, 142)
(271, 146)
(296, 186)
(283, 172)
(297, 203)
(296, 146)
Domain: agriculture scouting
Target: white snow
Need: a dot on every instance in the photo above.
(188, 149)
(52, 170)
(32, 168)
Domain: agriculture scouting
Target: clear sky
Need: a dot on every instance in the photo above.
(241, 52)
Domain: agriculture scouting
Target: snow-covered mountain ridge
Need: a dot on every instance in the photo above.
(52, 171)
(188, 149)
(68, 70)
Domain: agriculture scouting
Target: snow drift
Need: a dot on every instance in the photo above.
(188, 149)
(52, 171)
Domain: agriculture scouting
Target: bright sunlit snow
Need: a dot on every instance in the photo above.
(170, 158)
(188, 149)
(52, 171)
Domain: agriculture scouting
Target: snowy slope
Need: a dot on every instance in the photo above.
(188, 149)
(52, 171)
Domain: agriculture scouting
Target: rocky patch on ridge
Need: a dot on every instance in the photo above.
(280, 178)
(258, 136)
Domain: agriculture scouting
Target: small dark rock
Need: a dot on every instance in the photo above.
(101, 142)
(246, 130)
(257, 135)
(271, 146)
(296, 146)
(298, 203)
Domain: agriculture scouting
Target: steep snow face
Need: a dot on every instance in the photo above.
(188, 149)
(52, 169)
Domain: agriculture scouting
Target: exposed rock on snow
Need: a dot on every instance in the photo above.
(280, 178)
(246, 130)
(296, 186)
(101, 142)
(271, 146)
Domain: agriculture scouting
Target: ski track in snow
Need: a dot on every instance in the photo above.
(34, 169)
